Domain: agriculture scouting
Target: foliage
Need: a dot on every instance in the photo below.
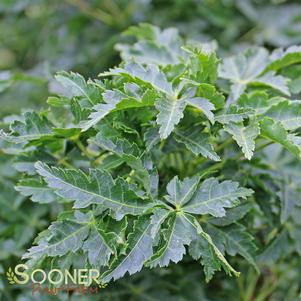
(176, 172)
(40, 37)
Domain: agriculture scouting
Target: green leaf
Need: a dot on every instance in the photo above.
(289, 197)
(157, 219)
(128, 152)
(34, 127)
(134, 97)
(288, 113)
(236, 240)
(111, 99)
(203, 62)
(37, 190)
(197, 142)
(154, 46)
(99, 245)
(276, 249)
(212, 258)
(139, 249)
(151, 138)
(204, 105)
(178, 233)
(211, 93)
(208, 92)
(247, 68)
(77, 86)
(244, 136)
(170, 113)
(96, 188)
(180, 192)
(233, 114)
(232, 215)
(150, 75)
(58, 101)
(243, 68)
(80, 113)
(274, 131)
(274, 81)
(115, 100)
(200, 248)
(282, 58)
(213, 197)
(258, 101)
(64, 236)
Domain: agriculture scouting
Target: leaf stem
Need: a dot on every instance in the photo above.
(82, 148)
(264, 145)
(63, 162)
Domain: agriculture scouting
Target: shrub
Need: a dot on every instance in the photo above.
(173, 155)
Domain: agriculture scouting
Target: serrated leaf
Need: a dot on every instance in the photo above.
(156, 46)
(232, 215)
(282, 58)
(197, 142)
(180, 192)
(233, 114)
(203, 62)
(150, 75)
(96, 188)
(244, 68)
(288, 113)
(151, 138)
(37, 190)
(65, 236)
(80, 113)
(99, 246)
(200, 248)
(170, 113)
(257, 101)
(211, 93)
(139, 249)
(213, 197)
(128, 152)
(212, 257)
(236, 240)
(274, 81)
(177, 234)
(274, 131)
(158, 217)
(115, 100)
(77, 86)
(33, 127)
(111, 99)
(208, 92)
(204, 105)
(244, 136)
(247, 68)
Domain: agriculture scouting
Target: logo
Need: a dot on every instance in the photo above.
(55, 281)
(11, 276)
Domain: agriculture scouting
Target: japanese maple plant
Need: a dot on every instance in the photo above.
(173, 154)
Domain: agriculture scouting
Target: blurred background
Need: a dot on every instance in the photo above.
(40, 37)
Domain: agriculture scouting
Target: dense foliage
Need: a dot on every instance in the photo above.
(40, 37)
(176, 172)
